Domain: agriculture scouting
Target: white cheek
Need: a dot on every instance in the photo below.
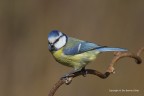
(60, 43)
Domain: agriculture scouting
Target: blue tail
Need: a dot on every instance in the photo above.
(104, 49)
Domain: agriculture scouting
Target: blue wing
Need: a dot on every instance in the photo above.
(75, 46)
(80, 48)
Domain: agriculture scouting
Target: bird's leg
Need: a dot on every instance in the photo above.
(83, 72)
(71, 73)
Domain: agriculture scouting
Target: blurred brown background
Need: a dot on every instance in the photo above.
(28, 69)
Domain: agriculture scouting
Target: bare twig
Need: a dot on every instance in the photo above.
(140, 51)
(56, 86)
(110, 69)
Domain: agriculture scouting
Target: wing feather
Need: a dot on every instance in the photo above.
(75, 46)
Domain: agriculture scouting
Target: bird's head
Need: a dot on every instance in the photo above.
(56, 40)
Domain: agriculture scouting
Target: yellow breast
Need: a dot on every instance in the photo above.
(76, 61)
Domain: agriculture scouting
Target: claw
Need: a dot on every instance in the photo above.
(67, 75)
(71, 74)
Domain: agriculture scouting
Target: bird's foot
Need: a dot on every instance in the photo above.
(73, 73)
(83, 72)
(70, 74)
(67, 78)
(67, 75)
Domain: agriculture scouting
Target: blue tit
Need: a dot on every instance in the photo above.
(73, 52)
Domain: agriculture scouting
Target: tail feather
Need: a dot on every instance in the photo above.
(104, 49)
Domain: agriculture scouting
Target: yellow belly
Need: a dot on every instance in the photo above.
(76, 61)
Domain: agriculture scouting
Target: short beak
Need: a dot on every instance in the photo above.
(51, 47)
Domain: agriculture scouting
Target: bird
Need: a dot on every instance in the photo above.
(74, 52)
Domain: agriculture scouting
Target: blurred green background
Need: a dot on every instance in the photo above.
(28, 69)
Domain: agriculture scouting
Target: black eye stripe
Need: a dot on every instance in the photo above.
(58, 39)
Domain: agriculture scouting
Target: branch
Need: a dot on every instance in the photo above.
(110, 69)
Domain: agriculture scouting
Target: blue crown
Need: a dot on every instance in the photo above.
(53, 33)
